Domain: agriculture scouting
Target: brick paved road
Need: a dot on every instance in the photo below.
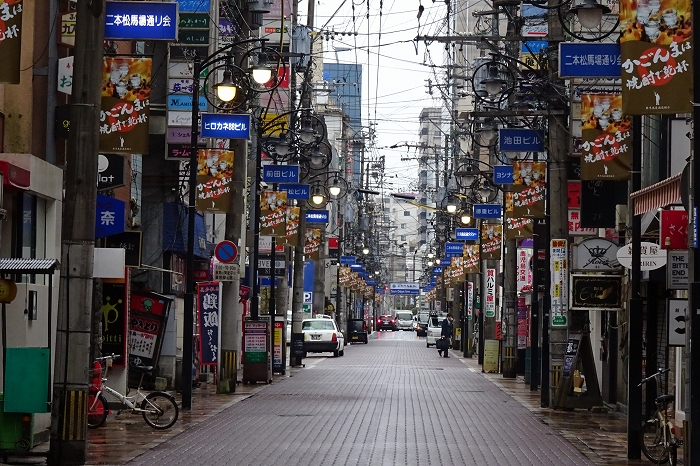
(389, 402)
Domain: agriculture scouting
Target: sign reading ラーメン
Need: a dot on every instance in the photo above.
(655, 46)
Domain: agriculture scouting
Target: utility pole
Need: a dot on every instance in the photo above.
(298, 285)
(558, 209)
(235, 231)
(74, 351)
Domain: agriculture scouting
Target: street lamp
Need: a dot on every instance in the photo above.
(451, 204)
(317, 197)
(226, 90)
(365, 250)
(590, 13)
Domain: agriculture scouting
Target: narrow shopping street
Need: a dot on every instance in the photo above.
(390, 402)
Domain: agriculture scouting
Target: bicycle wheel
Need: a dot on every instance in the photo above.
(159, 410)
(652, 441)
(97, 409)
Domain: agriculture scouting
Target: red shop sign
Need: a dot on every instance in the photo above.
(674, 229)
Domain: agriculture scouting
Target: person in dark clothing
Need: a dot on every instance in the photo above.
(446, 333)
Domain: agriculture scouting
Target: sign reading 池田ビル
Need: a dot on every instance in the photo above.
(126, 100)
(606, 143)
(655, 47)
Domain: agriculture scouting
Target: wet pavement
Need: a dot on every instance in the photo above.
(390, 402)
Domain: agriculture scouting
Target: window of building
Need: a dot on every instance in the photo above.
(403, 226)
(406, 213)
(29, 235)
(403, 237)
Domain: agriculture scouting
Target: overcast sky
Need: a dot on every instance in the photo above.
(395, 81)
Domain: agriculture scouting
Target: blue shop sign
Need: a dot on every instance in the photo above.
(467, 234)
(111, 217)
(437, 270)
(225, 125)
(141, 21)
(296, 191)
(534, 46)
(184, 102)
(589, 60)
(487, 211)
(194, 6)
(356, 267)
(453, 250)
(503, 174)
(521, 140)
(348, 260)
(281, 173)
(317, 216)
(371, 282)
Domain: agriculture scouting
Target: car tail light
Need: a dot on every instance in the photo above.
(335, 337)
(393, 321)
(379, 321)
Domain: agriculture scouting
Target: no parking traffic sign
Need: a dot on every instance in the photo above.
(226, 252)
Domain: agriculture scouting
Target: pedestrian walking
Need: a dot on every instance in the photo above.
(445, 335)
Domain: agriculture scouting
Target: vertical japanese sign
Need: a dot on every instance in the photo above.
(560, 282)
(491, 238)
(126, 100)
(312, 243)
(214, 174)
(114, 320)
(490, 303)
(277, 363)
(209, 312)
(524, 274)
(10, 40)
(606, 144)
(655, 41)
(147, 317)
(528, 189)
(273, 213)
(517, 227)
(470, 300)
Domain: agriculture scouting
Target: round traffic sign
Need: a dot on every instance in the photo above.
(226, 251)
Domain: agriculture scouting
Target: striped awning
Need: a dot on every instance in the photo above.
(657, 195)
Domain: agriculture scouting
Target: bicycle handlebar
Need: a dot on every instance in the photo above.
(111, 356)
(652, 376)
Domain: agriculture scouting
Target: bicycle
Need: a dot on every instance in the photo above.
(159, 409)
(658, 439)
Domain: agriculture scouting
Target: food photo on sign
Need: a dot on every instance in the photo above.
(656, 55)
(606, 147)
(529, 180)
(125, 107)
(214, 175)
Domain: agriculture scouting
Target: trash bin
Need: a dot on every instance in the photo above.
(16, 429)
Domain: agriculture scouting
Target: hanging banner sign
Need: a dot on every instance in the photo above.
(10, 40)
(517, 228)
(560, 283)
(209, 312)
(606, 143)
(490, 303)
(491, 239)
(523, 272)
(600, 292)
(470, 300)
(273, 213)
(529, 179)
(312, 243)
(657, 60)
(472, 258)
(126, 93)
(214, 175)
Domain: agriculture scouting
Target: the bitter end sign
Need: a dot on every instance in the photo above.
(226, 252)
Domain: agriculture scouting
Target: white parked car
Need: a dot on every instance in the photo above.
(434, 330)
(321, 336)
(404, 320)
